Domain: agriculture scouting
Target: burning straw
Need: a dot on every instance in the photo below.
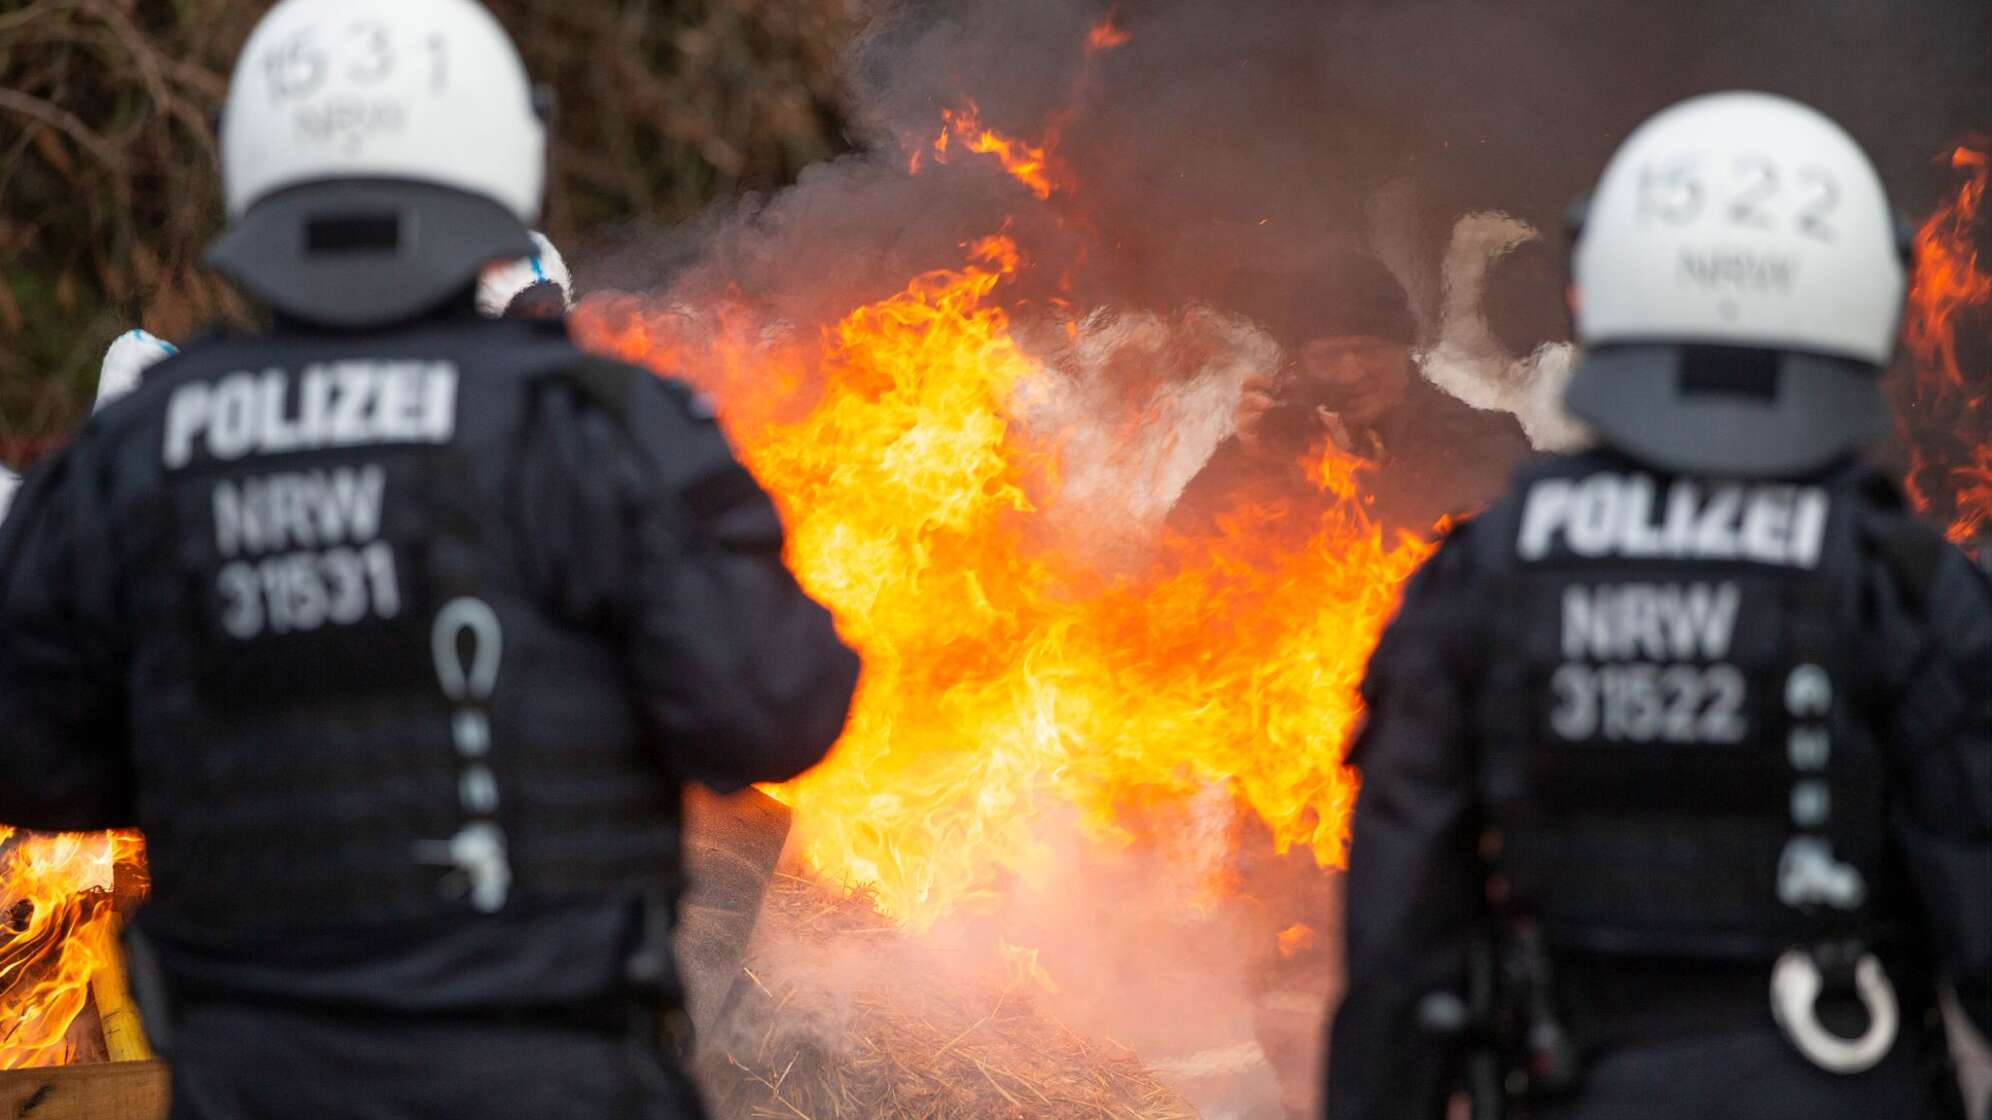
(61, 899)
(830, 1024)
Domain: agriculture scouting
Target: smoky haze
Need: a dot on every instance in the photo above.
(1230, 136)
(1255, 133)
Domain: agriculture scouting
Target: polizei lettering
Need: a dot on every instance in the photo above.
(333, 404)
(1629, 516)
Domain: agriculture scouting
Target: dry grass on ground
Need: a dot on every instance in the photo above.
(839, 1021)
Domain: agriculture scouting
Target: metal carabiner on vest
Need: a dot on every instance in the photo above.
(476, 679)
(480, 869)
(1796, 984)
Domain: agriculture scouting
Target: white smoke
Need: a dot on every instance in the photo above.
(1471, 364)
(1136, 402)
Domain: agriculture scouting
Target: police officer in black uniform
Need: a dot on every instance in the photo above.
(1677, 780)
(397, 629)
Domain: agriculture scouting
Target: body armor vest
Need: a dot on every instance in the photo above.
(1677, 754)
(349, 706)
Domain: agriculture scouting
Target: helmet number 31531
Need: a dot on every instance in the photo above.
(364, 55)
(349, 85)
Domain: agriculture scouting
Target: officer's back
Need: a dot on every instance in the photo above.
(1677, 787)
(397, 629)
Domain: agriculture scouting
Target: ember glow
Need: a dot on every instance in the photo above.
(1106, 35)
(1003, 677)
(962, 130)
(1949, 279)
(58, 926)
(1033, 165)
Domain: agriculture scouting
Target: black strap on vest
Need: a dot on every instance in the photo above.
(1845, 784)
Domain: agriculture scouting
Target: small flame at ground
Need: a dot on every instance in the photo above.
(1022, 965)
(57, 928)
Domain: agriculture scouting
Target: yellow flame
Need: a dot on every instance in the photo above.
(57, 928)
(1028, 164)
(1002, 678)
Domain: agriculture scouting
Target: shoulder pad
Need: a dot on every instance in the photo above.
(696, 404)
(1573, 464)
(612, 385)
(1485, 541)
(1455, 562)
(1913, 551)
(1879, 490)
(606, 382)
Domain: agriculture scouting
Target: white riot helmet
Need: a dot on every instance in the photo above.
(535, 287)
(376, 154)
(1739, 287)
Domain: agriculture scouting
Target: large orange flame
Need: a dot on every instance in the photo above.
(57, 928)
(1003, 677)
(1006, 679)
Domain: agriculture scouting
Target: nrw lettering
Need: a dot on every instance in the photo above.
(304, 510)
(335, 404)
(1660, 622)
(1626, 515)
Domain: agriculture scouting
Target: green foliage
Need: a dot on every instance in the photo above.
(109, 193)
